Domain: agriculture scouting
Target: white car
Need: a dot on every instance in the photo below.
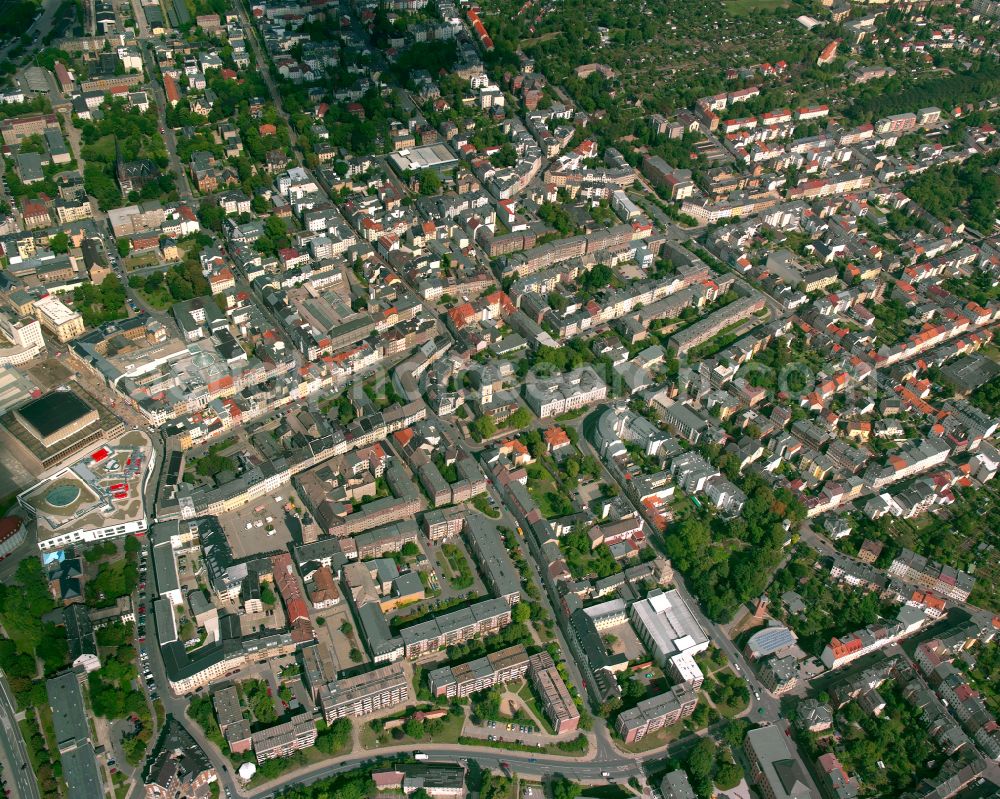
(270, 533)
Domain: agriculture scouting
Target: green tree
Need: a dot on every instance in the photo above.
(413, 728)
(430, 182)
(212, 216)
(59, 243)
(563, 788)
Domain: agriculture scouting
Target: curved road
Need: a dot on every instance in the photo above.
(619, 766)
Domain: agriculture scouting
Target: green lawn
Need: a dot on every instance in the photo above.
(139, 261)
(480, 503)
(659, 738)
(742, 8)
(607, 792)
(159, 299)
(460, 573)
(545, 491)
(450, 731)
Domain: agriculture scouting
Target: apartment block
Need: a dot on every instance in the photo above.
(480, 674)
(556, 701)
(283, 739)
(442, 524)
(364, 694)
(943, 580)
(656, 712)
(482, 618)
(772, 766)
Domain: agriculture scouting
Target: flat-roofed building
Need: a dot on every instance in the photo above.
(656, 712)
(70, 722)
(455, 627)
(49, 430)
(283, 739)
(773, 767)
(480, 674)
(556, 700)
(437, 156)
(229, 713)
(60, 320)
(364, 694)
(487, 545)
(667, 626)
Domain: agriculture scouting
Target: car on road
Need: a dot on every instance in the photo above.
(605, 774)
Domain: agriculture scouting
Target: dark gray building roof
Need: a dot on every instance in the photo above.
(81, 772)
(69, 715)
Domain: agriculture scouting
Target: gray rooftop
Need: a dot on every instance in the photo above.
(69, 715)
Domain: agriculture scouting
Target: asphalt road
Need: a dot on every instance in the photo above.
(22, 781)
(37, 30)
(169, 139)
(264, 68)
(521, 763)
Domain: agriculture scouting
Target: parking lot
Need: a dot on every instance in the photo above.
(264, 525)
(626, 642)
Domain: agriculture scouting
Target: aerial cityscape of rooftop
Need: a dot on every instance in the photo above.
(512, 399)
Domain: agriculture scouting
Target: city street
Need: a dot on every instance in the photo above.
(21, 778)
(169, 137)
